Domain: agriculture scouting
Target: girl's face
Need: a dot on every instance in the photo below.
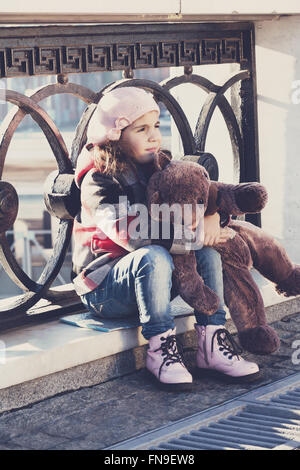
(142, 139)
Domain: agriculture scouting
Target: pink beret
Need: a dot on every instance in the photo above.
(116, 110)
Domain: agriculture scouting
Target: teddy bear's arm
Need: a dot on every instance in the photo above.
(236, 199)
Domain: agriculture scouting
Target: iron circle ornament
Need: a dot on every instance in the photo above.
(33, 291)
(215, 98)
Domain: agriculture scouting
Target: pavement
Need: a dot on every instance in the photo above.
(101, 415)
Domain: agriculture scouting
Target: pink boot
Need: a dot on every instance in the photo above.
(217, 355)
(165, 363)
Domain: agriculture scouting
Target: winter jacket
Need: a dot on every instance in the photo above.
(101, 228)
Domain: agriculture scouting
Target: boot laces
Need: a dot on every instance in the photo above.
(170, 351)
(226, 343)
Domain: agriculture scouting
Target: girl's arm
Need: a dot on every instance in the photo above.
(213, 232)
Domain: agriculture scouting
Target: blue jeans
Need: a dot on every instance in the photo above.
(140, 284)
(209, 266)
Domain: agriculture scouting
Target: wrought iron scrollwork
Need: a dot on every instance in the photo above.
(33, 291)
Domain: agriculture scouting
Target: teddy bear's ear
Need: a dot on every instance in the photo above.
(162, 160)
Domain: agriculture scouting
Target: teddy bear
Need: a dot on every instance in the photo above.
(187, 182)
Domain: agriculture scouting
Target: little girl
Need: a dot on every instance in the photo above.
(118, 275)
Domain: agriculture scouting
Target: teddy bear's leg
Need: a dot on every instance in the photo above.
(245, 303)
(190, 285)
(270, 258)
(243, 298)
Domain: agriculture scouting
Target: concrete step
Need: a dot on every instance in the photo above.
(40, 361)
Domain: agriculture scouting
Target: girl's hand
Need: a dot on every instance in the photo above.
(213, 233)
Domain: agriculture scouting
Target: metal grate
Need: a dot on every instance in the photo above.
(254, 427)
(288, 399)
(266, 418)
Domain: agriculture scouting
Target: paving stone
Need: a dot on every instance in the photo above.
(35, 441)
(69, 427)
(12, 446)
(86, 443)
(32, 418)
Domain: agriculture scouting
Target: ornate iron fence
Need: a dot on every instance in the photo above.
(63, 49)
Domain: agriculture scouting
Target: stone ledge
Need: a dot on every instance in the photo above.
(44, 360)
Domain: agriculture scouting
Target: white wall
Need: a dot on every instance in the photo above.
(154, 6)
(91, 6)
(278, 67)
(241, 7)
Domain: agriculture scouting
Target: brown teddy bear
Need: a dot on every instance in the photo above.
(186, 182)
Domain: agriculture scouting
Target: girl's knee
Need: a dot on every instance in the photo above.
(155, 257)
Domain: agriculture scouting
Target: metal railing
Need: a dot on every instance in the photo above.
(28, 238)
(59, 50)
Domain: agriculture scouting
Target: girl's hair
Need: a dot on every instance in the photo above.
(110, 160)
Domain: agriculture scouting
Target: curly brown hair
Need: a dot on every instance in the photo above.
(109, 159)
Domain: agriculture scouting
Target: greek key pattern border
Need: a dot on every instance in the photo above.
(25, 61)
